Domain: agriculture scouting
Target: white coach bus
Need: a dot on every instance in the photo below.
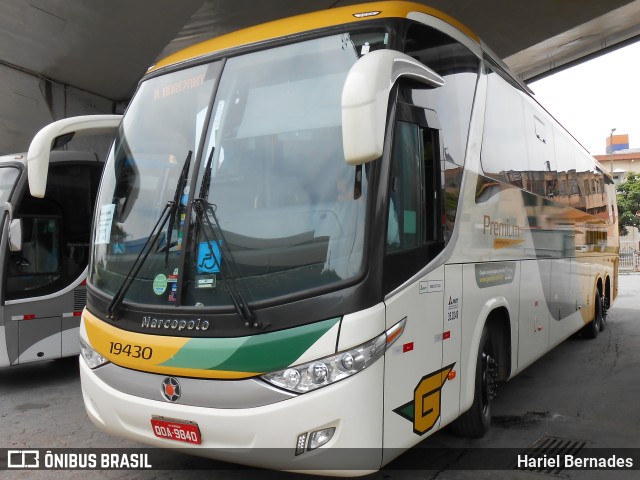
(335, 233)
(44, 252)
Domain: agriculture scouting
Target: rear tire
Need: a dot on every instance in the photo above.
(603, 318)
(475, 422)
(592, 328)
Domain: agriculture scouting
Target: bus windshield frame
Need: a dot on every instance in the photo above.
(286, 216)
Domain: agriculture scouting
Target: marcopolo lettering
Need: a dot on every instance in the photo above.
(174, 324)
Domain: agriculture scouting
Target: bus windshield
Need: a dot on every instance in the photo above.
(282, 211)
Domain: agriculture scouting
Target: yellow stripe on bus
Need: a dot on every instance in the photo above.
(103, 337)
(306, 22)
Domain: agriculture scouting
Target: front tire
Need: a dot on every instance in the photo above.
(475, 422)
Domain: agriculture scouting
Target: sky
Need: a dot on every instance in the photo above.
(592, 98)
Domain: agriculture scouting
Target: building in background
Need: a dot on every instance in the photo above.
(615, 143)
(620, 159)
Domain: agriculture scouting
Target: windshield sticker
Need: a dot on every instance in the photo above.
(217, 119)
(365, 49)
(119, 248)
(172, 293)
(104, 224)
(205, 281)
(185, 197)
(160, 284)
(209, 257)
(173, 278)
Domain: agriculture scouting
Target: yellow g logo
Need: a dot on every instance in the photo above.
(424, 409)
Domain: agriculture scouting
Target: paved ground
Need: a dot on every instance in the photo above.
(584, 390)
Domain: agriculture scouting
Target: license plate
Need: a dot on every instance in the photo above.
(178, 430)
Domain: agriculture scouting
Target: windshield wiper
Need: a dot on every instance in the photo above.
(203, 209)
(182, 181)
(168, 212)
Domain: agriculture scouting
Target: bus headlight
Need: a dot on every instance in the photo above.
(93, 358)
(325, 371)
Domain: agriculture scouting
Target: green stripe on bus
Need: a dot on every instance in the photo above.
(256, 353)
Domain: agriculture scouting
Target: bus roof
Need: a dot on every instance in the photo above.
(306, 22)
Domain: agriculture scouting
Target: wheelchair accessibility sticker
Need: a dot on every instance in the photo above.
(209, 257)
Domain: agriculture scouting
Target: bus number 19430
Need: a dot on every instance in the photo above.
(133, 351)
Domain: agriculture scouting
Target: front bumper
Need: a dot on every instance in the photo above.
(263, 436)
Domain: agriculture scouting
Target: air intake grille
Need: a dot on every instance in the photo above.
(79, 298)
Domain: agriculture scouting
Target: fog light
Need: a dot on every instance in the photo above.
(320, 437)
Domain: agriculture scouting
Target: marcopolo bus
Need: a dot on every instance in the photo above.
(44, 255)
(319, 240)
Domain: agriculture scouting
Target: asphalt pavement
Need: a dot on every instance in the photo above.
(585, 393)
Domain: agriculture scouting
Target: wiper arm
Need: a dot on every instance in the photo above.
(168, 213)
(182, 181)
(204, 189)
(202, 209)
(116, 301)
(201, 206)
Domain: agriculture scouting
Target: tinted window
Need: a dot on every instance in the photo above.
(55, 232)
(453, 103)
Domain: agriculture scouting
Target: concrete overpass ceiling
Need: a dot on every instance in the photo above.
(69, 57)
(533, 37)
(102, 47)
(60, 58)
(611, 30)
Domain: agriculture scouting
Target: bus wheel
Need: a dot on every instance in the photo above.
(603, 313)
(592, 328)
(475, 422)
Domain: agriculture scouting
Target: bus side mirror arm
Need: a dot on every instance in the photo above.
(365, 97)
(57, 133)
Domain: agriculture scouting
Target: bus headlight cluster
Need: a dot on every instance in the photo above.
(325, 371)
(93, 358)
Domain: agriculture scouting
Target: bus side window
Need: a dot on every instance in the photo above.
(414, 230)
(38, 263)
(55, 232)
(405, 194)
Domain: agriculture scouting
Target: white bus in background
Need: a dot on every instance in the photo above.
(46, 212)
(333, 232)
(44, 251)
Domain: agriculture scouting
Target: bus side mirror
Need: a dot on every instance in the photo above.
(15, 235)
(59, 133)
(365, 97)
